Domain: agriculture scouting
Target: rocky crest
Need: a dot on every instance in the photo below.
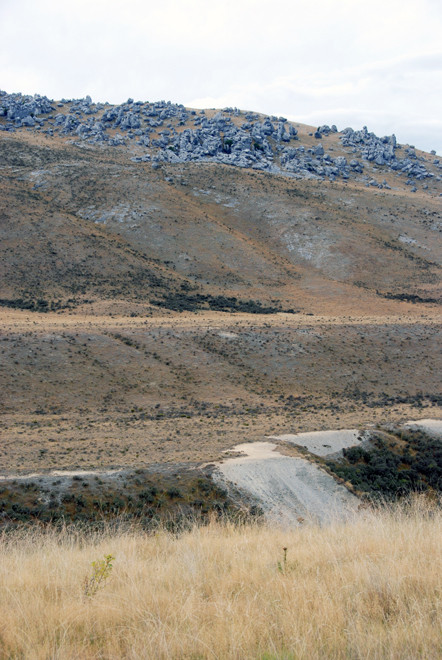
(164, 132)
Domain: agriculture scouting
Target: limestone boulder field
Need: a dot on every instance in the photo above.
(165, 132)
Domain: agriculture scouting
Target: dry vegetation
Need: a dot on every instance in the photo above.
(370, 589)
(91, 392)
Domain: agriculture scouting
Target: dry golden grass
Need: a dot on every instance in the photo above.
(370, 589)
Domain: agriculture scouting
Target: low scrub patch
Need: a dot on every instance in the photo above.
(393, 465)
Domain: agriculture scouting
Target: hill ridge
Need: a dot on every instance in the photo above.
(164, 132)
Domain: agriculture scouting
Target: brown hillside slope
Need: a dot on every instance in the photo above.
(111, 378)
(89, 221)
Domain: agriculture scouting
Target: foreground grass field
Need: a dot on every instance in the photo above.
(370, 589)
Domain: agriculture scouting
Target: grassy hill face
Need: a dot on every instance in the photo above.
(84, 216)
(141, 288)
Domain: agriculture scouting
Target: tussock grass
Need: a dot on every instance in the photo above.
(366, 589)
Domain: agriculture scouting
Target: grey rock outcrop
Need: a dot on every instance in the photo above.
(170, 133)
(382, 151)
(22, 110)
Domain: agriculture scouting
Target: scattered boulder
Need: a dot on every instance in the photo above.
(319, 150)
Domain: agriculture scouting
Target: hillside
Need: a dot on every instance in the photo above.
(153, 202)
(175, 281)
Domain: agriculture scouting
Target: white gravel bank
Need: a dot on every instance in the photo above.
(289, 490)
(431, 426)
(323, 443)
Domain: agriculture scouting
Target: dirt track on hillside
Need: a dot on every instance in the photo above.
(20, 321)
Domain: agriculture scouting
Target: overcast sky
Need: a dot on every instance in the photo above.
(345, 62)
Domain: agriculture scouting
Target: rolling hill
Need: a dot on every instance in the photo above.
(175, 280)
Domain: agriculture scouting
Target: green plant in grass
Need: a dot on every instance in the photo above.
(282, 567)
(101, 571)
